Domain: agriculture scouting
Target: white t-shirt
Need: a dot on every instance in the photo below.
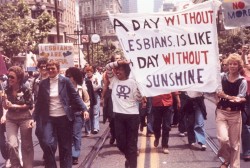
(124, 96)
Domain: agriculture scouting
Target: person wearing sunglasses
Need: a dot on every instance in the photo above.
(18, 102)
(75, 76)
(57, 100)
(43, 74)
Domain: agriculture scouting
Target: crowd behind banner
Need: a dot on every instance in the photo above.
(151, 87)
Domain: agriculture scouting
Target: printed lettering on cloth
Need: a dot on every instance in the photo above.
(236, 13)
(176, 51)
(62, 52)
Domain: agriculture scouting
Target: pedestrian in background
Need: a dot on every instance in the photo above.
(182, 126)
(162, 108)
(75, 76)
(245, 135)
(43, 74)
(125, 97)
(95, 111)
(56, 103)
(196, 115)
(18, 102)
(228, 113)
(92, 99)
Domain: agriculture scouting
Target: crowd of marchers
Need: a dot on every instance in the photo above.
(62, 106)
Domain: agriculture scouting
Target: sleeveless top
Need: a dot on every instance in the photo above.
(230, 89)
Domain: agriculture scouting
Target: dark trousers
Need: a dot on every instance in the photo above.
(39, 133)
(126, 131)
(162, 119)
(57, 130)
(3, 144)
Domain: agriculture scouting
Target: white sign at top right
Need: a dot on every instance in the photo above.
(236, 13)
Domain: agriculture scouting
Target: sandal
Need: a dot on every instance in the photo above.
(224, 165)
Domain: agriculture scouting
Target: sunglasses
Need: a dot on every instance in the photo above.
(51, 69)
(68, 76)
(11, 77)
(42, 67)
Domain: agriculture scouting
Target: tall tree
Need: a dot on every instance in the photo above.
(17, 28)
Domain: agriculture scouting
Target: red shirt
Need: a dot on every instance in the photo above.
(163, 100)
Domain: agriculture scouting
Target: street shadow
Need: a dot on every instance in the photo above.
(109, 153)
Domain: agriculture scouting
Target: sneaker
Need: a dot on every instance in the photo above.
(7, 163)
(156, 142)
(181, 134)
(192, 146)
(203, 147)
(95, 131)
(165, 150)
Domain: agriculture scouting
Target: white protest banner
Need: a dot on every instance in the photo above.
(175, 51)
(236, 13)
(62, 52)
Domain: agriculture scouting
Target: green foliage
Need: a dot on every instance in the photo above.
(17, 28)
(230, 43)
(101, 53)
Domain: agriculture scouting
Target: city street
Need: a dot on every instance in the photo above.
(97, 152)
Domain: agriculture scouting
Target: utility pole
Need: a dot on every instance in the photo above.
(57, 21)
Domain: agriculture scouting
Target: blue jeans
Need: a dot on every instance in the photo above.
(77, 135)
(150, 123)
(95, 114)
(126, 131)
(196, 130)
(58, 130)
(162, 120)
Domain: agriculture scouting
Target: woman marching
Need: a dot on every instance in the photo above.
(228, 118)
(18, 102)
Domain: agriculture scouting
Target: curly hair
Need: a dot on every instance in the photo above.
(42, 60)
(19, 73)
(76, 74)
(126, 68)
(236, 57)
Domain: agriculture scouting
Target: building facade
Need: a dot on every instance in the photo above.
(129, 6)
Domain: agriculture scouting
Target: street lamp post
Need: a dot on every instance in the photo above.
(79, 32)
(57, 21)
(38, 8)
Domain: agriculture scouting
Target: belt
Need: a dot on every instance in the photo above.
(229, 108)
